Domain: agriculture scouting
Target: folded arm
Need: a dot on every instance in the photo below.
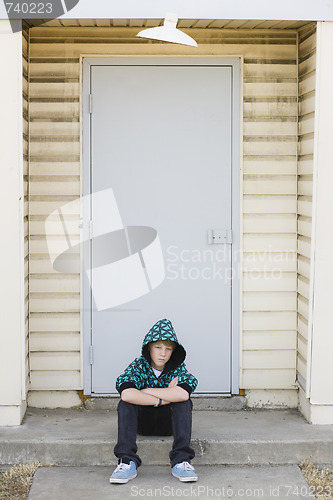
(170, 394)
(136, 397)
(149, 396)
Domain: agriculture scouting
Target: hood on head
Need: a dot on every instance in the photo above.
(163, 330)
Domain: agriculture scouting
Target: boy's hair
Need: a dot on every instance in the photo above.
(167, 342)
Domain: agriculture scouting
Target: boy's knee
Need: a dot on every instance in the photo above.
(183, 404)
(123, 406)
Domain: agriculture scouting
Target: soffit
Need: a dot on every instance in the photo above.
(182, 23)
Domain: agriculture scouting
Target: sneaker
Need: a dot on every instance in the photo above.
(123, 473)
(184, 471)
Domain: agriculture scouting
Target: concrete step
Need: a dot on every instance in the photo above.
(200, 403)
(237, 482)
(84, 438)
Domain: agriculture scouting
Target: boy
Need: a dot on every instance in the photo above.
(155, 400)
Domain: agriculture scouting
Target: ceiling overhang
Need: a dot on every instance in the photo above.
(286, 10)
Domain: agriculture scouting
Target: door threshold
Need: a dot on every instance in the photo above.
(201, 402)
(211, 395)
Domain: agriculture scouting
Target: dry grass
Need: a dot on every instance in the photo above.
(15, 483)
(320, 480)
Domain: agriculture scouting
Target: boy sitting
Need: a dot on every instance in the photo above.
(155, 400)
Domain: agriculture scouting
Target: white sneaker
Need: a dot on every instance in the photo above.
(123, 473)
(184, 472)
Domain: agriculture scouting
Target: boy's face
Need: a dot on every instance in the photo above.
(160, 354)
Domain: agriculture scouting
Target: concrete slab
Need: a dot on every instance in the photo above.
(237, 482)
(83, 437)
(216, 403)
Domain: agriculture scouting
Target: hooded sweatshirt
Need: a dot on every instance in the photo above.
(140, 375)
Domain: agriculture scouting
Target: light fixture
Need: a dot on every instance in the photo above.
(168, 32)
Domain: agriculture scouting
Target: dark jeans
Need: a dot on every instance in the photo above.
(171, 419)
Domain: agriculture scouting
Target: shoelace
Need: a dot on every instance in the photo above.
(121, 467)
(186, 466)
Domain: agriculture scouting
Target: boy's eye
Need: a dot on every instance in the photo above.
(160, 347)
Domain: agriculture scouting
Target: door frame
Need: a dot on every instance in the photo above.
(86, 298)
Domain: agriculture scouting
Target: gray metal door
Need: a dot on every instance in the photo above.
(161, 139)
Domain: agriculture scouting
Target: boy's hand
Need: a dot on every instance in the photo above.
(173, 382)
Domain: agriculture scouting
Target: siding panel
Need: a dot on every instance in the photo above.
(269, 261)
(272, 359)
(57, 361)
(269, 340)
(269, 223)
(278, 301)
(56, 342)
(58, 380)
(263, 281)
(267, 165)
(283, 320)
(269, 378)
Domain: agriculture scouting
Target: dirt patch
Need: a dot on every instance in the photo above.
(320, 479)
(15, 482)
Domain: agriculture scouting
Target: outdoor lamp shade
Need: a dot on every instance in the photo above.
(168, 32)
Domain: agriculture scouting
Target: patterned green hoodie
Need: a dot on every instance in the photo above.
(139, 373)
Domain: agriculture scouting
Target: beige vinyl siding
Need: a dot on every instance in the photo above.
(54, 180)
(25, 108)
(307, 77)
(269, 198)
(269, 221)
